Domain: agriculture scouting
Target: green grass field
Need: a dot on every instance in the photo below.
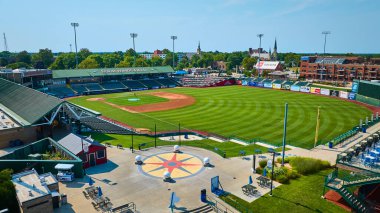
(245, 112)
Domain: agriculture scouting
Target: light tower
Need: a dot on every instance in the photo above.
(173, 38)
(133, 36)
(71, 49)
(324, 51)
(260, 36)
(5, 43)
(75, 25)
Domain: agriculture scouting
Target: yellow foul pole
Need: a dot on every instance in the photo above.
(317, 128)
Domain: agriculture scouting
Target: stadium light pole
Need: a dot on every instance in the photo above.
(270, 150)
(75, 25)
(173, 38)
(284, 135)
(324, 50)
(133, 36)
(260, 36)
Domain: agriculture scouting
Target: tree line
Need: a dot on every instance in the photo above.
(44, 59)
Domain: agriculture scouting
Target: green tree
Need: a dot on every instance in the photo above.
(156, 61)
(111, 60)
(168, 61)
(248, 63)
(88, 63)
(233, 60)
(17, 65)
(43, 59)
(83, 54)
(8, 192)
(127, 62)
(292, 59)
(130, 52)
(64, 61)
(97, 58)
(141, 62)
(166, 51)
(24, 56)
(194, 60)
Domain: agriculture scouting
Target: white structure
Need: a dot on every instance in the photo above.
(176, 149)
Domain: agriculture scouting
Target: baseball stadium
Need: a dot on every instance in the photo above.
(93, 118)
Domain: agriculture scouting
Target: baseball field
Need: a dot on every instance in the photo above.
(234, 111)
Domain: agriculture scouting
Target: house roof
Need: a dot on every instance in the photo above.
(29, 186)
(73, 143)
(110, 71)
(23, 104)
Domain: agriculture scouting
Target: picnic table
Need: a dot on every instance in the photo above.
(91, 191)
(249, 189)
(100, 201)
(264, 181)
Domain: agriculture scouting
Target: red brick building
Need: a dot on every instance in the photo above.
(339, 68)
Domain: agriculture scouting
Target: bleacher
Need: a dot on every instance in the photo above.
(79, 88)
(113, 86)
(278, 81)
(61, 91)
(167, 82)
(94, 87)
(104, 126)
(151, 84)
(134, 85)
(196, 81)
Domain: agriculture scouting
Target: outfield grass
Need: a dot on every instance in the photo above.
(245, 112)
(231, 149)
(301, 195)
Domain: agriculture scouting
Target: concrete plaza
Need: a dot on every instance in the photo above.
(122, 182)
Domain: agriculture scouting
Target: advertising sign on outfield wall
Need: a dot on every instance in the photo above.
(334, 93)
(267, 85)
(252, 84)
(260, 84)
(295, 88)
(355, 87)
(315, 90)
(305, 89)
(276, 86)
(352, 96)
(286, 86)
(244, 82)
(343, 94)
(325, 91)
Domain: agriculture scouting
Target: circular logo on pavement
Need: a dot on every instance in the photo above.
(179, 165)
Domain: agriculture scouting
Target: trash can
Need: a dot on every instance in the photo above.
(203, 196)
(63, 199)
(330, 145)
(364, 130)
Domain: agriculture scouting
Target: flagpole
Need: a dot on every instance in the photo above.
(317, 127)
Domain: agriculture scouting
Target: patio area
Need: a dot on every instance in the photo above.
(122, 181)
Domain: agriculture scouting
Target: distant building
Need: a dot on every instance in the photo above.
(331, 68)
(35, 192)
(269, 66)
(264, 55)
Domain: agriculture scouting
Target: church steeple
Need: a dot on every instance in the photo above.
(199, 48)
(274, 55)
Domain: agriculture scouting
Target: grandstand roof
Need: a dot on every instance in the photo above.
(25, 105)
(110, 71)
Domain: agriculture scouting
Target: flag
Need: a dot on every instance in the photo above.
(250, 180)
(265, 172)
(173, 200)
(100, 193)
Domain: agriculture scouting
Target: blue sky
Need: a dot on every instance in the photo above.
(224, 25)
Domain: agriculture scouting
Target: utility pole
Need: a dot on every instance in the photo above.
(258, 62)
(75, 25)
(324, 52)
(173, 38)
(5, 43)
(71, 49)
(133, 36)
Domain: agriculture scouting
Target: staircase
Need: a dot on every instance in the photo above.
(203, 209)
(340, 185)
(354, 202)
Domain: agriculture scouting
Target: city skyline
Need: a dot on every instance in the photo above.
(226, 26)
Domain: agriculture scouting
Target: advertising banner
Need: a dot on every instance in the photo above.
(286, 86)
(260, 84)
(352, 96)
(305, 89)
(267, 85)
(325, 91)
(244, 82)
(315, 90)
(295, 88)
(355, 87)
(276, 86)
(343, 94)
(334, 93)
(252, 84)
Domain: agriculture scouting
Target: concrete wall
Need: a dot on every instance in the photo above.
(47, 207)
(27, 135)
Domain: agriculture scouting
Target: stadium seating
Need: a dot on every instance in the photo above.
(103, 126)
(278, 81)
(93, 87)
(61, 91)
(267, 81)
(134, 85)
(79, 88)
(151, 84)
(167, 82)
(113, 86)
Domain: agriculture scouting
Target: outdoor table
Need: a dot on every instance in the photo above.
(344, 156)
(264, 181)
(249, 189)
(100, 201)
